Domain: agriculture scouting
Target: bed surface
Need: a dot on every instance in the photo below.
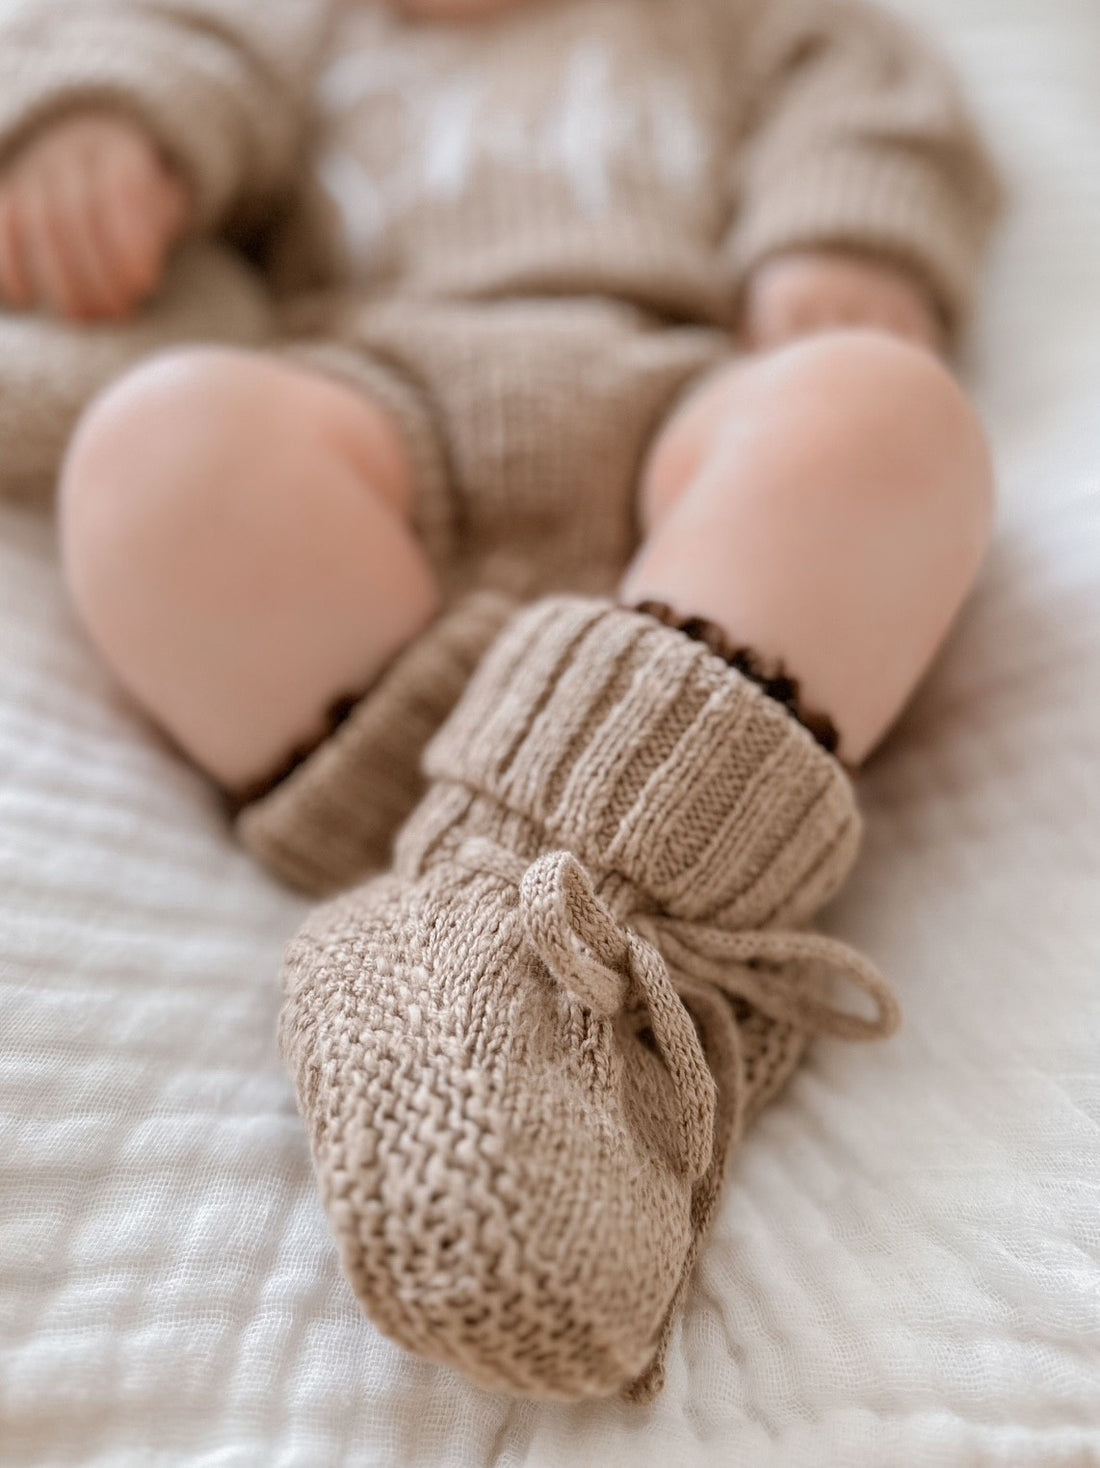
(907, 1266)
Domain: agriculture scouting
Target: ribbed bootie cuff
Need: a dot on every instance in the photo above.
(646, 754)
(769, 674)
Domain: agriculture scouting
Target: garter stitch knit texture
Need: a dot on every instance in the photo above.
(525, 1053)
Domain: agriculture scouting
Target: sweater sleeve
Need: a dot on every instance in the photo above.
(859, 138)
(223, 85)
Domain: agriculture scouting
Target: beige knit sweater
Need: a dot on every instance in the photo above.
(652, 151)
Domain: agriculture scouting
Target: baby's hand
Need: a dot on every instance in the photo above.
(88, 212)
(803, 291)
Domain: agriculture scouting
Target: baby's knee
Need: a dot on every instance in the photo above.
(878, 373)
(164, 419)
(834, 411)
(148, 442)
(146, 477)
(885, 402)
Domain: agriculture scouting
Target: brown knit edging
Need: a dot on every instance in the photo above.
(768, 674)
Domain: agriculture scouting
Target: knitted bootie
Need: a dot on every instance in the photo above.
(523, 1055)
(332, 819)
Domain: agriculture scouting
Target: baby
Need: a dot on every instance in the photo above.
(606, 364)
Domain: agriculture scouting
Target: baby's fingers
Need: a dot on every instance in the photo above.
(46, 250)
(923, 327)
(893, 318)
(776, 322)
(140, 216)
(99, 291)
(15, 283)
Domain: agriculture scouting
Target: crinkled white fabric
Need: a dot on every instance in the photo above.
(906, 1271)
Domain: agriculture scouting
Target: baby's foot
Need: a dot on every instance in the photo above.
(524, 1054)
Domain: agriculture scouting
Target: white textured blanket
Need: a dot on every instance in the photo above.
(906, 1271)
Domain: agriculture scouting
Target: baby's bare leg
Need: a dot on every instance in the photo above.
(828, 504)
(235, 532)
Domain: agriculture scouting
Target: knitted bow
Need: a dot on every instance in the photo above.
(784, 974)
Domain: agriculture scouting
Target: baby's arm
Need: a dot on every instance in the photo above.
(125, 122)
(866, 196)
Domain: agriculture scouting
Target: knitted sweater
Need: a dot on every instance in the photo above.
(651, 151)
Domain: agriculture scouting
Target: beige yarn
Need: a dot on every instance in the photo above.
(524, 1055)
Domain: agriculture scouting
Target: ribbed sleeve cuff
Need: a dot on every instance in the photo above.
(910, 213)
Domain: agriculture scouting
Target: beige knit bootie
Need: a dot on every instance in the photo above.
(331, 821)
(524, 1054)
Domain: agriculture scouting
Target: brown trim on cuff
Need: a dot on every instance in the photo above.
(769, 674)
